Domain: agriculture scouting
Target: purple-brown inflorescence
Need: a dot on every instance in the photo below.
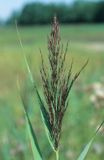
(56, 82)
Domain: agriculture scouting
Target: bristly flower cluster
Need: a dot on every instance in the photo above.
(56, 82)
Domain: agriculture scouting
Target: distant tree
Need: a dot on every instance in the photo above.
(1, 22)
(99, 15)
(38, 13)
(81, 11)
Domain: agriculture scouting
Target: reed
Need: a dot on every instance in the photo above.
(57, 82)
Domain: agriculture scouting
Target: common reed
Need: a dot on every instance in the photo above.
(57, 82)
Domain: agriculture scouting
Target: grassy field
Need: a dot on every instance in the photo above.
(81, 119)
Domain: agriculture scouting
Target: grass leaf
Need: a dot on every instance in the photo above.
(45, 118)
(44, 113)
(34, 143)
(83, 154)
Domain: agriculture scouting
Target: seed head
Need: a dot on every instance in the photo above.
(57, 83)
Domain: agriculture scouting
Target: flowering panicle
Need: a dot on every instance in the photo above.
(56, 82)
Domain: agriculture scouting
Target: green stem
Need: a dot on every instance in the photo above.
(57, 155)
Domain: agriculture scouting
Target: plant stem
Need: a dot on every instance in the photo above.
(57, 155)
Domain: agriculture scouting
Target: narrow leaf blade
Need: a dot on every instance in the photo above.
(85, 150)
(44, 113)
(45, 118)
(83, 154)
(35, 147)
(34, 143)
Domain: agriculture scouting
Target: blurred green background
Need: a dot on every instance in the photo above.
(82, 117)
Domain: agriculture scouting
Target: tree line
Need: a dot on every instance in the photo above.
(78, 12)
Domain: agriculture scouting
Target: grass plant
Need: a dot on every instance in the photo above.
(81, 118)
(57, 83)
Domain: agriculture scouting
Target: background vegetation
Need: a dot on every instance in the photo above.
(82, 117)
(82, 25)
(78, 12)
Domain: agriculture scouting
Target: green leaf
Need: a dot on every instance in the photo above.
(44, 113)
(45, 118)
(34, 143)
(83, 154)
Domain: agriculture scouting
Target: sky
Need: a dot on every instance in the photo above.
(8, 6)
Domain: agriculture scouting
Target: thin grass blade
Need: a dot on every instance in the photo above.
(34, 143)
(44, 113)
(45, 118)
(84, 153)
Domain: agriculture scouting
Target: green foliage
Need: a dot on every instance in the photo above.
(87, 147)
(78, 12)
(99, 12)
(34, 143)
(45, 118)
(46, 115)
(78, 120)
